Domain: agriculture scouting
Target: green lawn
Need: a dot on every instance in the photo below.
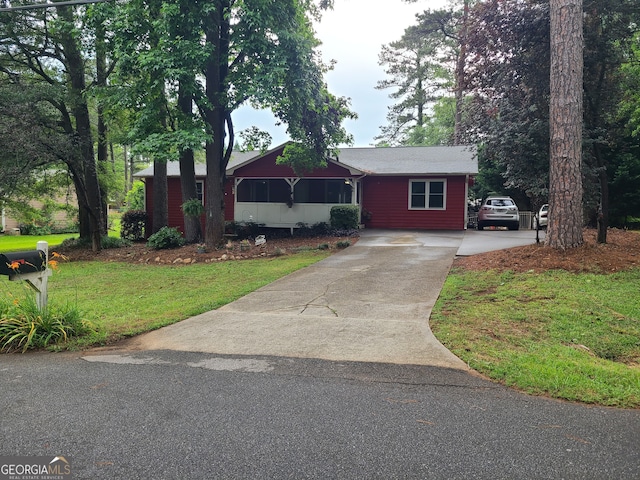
(17, 243)
(570, 336)
(565, 335)
(122, 300)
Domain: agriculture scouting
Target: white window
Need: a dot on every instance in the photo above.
(427, 194)
(200, 190)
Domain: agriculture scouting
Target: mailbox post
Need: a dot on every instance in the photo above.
(30, 266)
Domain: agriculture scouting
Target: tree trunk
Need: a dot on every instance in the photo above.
(188, 184)
(217, 37)
(460, 69)
(101, 80)
(603, 210)
(565, 222)
(160, 197)
(192, 225)
(86, 181)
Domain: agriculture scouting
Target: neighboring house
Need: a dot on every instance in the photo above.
(395, 188)
(60, 219)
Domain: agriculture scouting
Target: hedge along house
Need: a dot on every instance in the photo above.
(395, 188)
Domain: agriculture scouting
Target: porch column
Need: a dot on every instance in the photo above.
(292, 183)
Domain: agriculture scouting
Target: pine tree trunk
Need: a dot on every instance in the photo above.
(460, 72)
(565, 225)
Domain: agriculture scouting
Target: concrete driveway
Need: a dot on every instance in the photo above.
(368, 303)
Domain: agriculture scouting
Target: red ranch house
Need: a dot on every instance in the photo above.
(423, 188)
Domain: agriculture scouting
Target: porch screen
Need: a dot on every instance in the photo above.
(270, 190)
(322, 191)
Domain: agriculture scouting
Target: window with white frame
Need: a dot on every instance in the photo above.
(200, 190)
(427, 194)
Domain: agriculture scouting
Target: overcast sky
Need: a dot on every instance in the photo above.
(353, 34)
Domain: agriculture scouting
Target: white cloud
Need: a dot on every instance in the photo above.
(353, 34)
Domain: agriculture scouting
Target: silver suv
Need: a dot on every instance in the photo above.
(499, 212)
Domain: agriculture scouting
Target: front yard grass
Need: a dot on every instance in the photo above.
(18, 243)
(566, 335)
(121, 300)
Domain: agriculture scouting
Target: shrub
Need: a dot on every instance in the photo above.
(193, 207)
(166, 237)
(69, 243)
(319, 229)
(66, 228)
(345, 232)
(33, 229)
(135, 196)
(343, 244)
(323, 246)
(344, 216)
(247, 230)
(133, 225)
(114, 242)
(105, 242)
(24, 326)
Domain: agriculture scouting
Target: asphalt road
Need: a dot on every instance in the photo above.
(184, 415)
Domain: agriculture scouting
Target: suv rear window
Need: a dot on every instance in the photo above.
(500, 202)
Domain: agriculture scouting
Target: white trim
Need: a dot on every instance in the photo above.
(427, 182)
(201, 182)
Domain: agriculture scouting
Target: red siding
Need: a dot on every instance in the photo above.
(174, 189)
(228, 201)
(387, 198)
(267, 168)
(148, 197)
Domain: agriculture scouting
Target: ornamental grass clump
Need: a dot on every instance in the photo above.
(24, 326)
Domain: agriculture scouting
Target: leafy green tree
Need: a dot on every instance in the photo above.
(510, 81)
(508, 114)
(254, 139)
(29, 136)
(221, 55)
(44, 48)
(265, 53)
(611, 27)
(424, 67)
(624, 171)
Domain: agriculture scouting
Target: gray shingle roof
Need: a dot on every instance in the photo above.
(411, 160)
(461, 160)
(173, 168)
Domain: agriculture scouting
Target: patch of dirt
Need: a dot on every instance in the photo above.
(621, 252)
(139, 253)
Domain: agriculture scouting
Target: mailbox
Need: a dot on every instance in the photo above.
(23, 262)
